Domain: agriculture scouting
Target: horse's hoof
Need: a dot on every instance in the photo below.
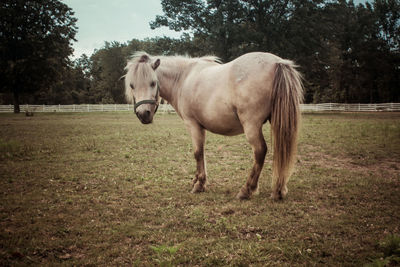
(198, 188)
(278, 195)
(242, 196)
(256, 192)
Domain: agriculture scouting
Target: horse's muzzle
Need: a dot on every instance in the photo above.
(145, 116)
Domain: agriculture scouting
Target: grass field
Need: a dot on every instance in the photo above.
(102, 189)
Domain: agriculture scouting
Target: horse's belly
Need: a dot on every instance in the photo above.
(220, 122)
(211, 102)
(219, 128)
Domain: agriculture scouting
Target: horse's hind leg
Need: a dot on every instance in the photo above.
(198, 137)
(256, 139)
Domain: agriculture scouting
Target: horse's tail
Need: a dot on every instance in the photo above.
(287, 94)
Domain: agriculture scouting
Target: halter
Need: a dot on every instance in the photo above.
(148, 101)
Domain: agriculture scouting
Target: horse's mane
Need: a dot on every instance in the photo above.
(213, 59)
(137, 57)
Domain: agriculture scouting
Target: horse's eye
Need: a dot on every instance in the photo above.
(132, 86)
(153, 84)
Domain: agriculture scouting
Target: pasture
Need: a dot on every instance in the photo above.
(102, 189)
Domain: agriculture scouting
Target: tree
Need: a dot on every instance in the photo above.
(347, 53)
(35, 42)
(107, 69)
(216, 23)
(361, 57)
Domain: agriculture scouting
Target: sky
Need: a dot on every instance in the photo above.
(116, 20)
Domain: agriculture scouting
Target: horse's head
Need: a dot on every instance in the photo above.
(141, 86)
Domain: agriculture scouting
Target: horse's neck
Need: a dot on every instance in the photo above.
(171, 74)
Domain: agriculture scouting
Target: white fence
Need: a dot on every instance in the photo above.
(164, 108)
(80, 108)
(351, 107)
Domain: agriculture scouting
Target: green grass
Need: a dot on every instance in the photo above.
(102, 189)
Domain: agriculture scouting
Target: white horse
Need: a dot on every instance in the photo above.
(228, 99)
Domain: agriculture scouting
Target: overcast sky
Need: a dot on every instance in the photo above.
(116, 20)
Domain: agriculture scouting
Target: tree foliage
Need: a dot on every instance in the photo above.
(347, 53)
(35, 42)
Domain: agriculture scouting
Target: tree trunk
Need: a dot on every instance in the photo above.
(16, 101)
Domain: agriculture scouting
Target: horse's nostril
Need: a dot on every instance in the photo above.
(144, 116)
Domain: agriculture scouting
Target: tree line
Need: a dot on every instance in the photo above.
(347, 53)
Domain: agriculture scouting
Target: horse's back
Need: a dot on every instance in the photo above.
(255, 59)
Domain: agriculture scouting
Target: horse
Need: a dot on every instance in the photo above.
(228, 99)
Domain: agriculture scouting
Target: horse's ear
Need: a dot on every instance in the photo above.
(156, 64)
(144, 58)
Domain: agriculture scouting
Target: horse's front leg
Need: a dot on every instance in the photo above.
(256, 139)
(198, 137)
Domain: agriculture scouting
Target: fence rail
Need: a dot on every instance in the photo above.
(165, 108)
(80, 108)
(351, 107)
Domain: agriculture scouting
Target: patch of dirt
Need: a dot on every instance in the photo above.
(314, 157)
